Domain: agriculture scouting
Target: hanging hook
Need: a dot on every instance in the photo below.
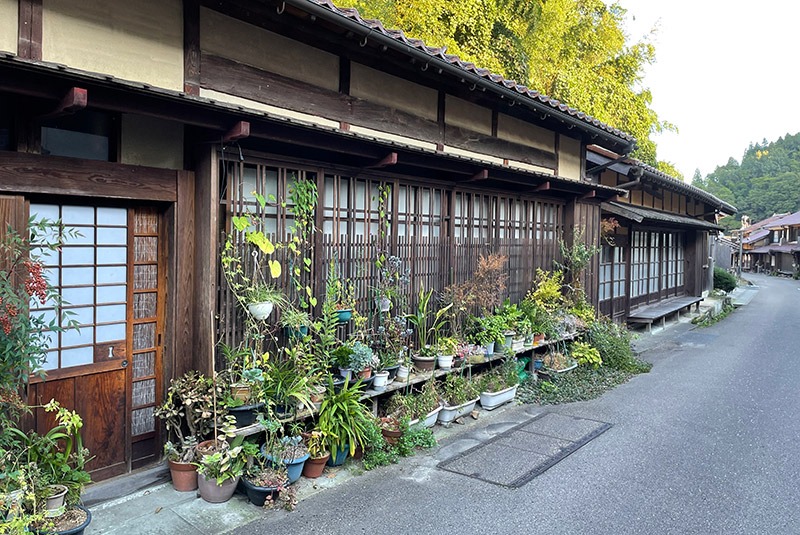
(363, 42)
(424, 67)
(280, 9)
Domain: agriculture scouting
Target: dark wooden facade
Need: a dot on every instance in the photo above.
(152, 108)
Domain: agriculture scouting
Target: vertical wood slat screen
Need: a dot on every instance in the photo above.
(438, 234)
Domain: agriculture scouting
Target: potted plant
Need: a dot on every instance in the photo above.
(295, 322)
(362, 360)
(486, 332)
(459, 395)
(499, 386)
(392, 278)
(341, 358)
(559, 362)
(179, 459)
(292, 452)
(286, 386)
(261, 299)
(586, 355)
(44, 475)
(318, 452)
(427, 325)
(264, 481)
(244, 375)
(187, 412)
(446, 349)
(219, 473)
(343, 420)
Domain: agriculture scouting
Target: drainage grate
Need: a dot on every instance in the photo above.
(513, 458)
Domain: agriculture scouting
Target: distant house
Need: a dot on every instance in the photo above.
(756, 242)
(777, 249)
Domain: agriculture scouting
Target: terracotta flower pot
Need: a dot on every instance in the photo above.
(184, 476)
(213, 493)
(314, 467)
(391, 435)
(366, 373)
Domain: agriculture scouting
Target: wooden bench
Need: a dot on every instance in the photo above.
(648, 314)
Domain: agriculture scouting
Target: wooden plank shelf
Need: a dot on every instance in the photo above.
(414, 379)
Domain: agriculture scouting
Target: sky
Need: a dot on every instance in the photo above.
(727, 74)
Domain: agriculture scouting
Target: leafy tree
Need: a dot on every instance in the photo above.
(573, 50)
(766, 182)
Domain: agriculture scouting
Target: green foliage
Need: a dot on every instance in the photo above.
(763, 184)
(546, 292)
(574, 51)
(458, 389)
(500, 377)
(723, 280)
(343, 419)
(613, 341)
(485, 330)
(413, 439)
(427, 323)
(586, 355)
(377, 452)
(25, 336)
(581, 384)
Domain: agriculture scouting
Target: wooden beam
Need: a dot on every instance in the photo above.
(483, 174)
(588, 195)
(544, 186)
(389, 159)
(75, 100)
(240, 130)
(191, 47)
(29, 42)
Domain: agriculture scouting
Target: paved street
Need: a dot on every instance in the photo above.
(705, 443)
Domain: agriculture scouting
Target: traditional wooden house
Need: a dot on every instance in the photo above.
(777, 249)
(755, 241)
(147, 124)
(656, 254)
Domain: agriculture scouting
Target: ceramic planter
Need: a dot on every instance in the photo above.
(345, 372)
(429, 420)
(184, 476)
(444, 362)
(211, 492)
(488, 349)
(448, 414)
(366, 373)
(258, 495)
(260, 311)
(315, 466)
(344, 315)
(380, 381)
(402, 372)
(54, 504)
(392, 370)
(509, 338)
(424, 364)
(492, 400)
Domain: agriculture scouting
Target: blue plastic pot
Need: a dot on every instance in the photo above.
(294, 468)
(341, 456)
(344, 315)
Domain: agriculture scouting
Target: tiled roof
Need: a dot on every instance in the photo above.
(791, 220)
(408, 44)
(756, 236)
(640, 214)
(654, 175)
(775, 248)
(763, 223)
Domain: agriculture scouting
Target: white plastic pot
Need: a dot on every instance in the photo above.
(260, 311)
(445, 362)
(380, 381)
(492, 400)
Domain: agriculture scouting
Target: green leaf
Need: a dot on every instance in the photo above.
(275, 269)
(240, 223)
(262, 242)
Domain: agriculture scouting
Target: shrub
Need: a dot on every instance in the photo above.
(723, 280)
(613, 341)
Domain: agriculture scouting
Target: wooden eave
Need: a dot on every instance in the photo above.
(272, 134)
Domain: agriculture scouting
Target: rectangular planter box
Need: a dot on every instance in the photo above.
(448, 414)
(428, 421)
(492, 400)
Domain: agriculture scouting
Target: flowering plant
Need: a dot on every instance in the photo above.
(25, 334)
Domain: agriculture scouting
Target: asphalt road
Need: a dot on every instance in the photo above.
(705, 443)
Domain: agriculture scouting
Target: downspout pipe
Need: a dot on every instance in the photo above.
(318, 10)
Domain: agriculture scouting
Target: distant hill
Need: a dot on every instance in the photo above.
(766, 182)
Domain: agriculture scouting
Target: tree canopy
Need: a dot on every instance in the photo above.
(765, 183)
(575, 51)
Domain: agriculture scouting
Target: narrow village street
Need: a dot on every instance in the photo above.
(705, 443)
